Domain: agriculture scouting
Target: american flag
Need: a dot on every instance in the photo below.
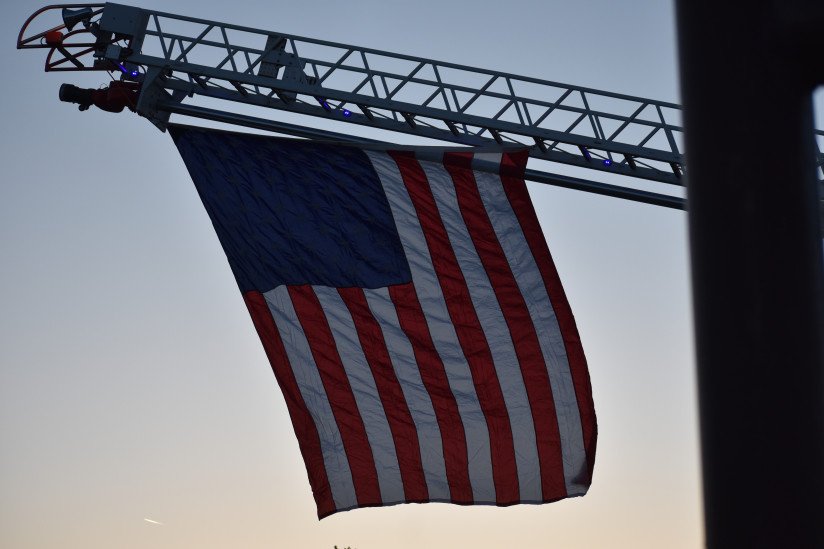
(412, 314)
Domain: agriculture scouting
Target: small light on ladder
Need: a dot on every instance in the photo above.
(607, 162)
(346, 113)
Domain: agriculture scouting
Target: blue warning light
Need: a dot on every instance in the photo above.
(607, 162)
(346, 113)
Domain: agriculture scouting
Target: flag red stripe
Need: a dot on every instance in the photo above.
(516, 191)
(433, 375)
(305, 429)
(339, 393)
(517, 317)
(468, 329)
(404, 434)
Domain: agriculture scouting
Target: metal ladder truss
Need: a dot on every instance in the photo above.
(179, 60)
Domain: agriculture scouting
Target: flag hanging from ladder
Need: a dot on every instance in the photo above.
(412, 315)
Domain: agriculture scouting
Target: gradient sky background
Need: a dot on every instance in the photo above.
(137, 408)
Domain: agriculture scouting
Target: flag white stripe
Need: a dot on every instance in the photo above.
(311, 388)
(365, 391)
(519, 256)
(496, 330)
(440, 326)
(415, 394)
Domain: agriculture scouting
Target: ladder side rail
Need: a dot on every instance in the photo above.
(626, 193)
(411, 58)
(422, 129)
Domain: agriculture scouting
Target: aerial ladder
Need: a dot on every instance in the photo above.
(164, 64)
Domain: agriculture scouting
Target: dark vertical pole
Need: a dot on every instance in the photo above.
(748, 70)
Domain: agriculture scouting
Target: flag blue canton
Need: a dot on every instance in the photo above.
(292, 216)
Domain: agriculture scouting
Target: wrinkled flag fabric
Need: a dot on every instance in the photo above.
(412, 315)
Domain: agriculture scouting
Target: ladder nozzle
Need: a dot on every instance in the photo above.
(72, 94)
(114, 98)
